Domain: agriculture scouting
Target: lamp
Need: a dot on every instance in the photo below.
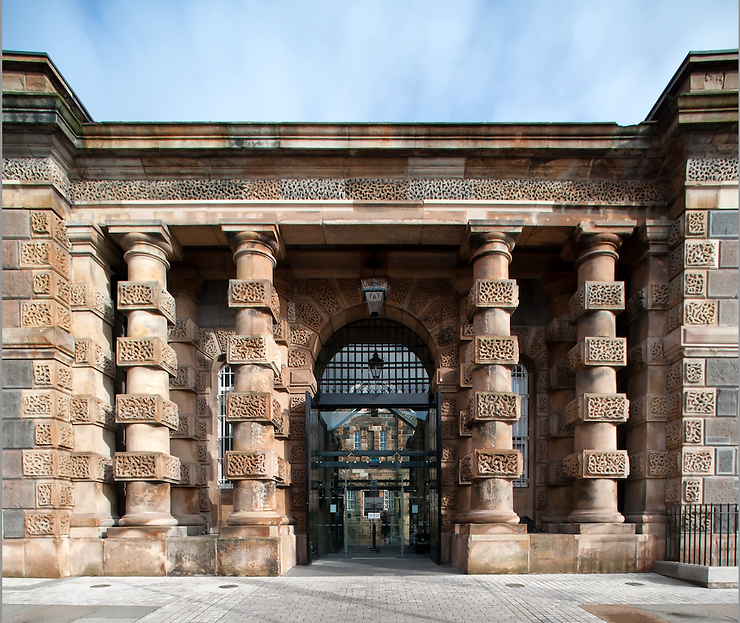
(373, 292)
(376, 364)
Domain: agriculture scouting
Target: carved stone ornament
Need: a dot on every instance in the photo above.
(184, 330)
(465, 470)
(596, 295)
(251, 407)
(597, 464)
(497, 464)
(256, 293)
(51, 523)
(46, 284)
(184, 380)
(251, 465)
(464, 424)
(146, 409)
(149, 466)
(494, 406)
(54, 494)
(148, 296)
(88, 353)
(185, 428)
(700, 254)
(652, 297)
(84, 297)
(90, 466)
(151, 352)
(560, 330)
(257, 350)
(598, 351)
(491, 350)
(46, 464)
(281, 331)
(597, 408)
(48, 255)
(498, 293)
(45, 403)
(697, 461)
(192, 475)
(48, 374)
(283, 476)
(54, 433)
(700, 401)
(45, 314)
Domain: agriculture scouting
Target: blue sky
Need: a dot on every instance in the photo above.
(379, 60)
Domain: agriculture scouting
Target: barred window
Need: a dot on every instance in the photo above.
(520, 430)
(225, 433)
(358, 440)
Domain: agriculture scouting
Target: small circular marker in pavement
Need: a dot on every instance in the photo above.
(229, 586)
(99, 585)
(634, 583)
(515, 585)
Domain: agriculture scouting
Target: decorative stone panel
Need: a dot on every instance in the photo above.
(45, 403)
(701, 402)
(54, 434)
(192, 475)
(92, 410)
(151, 352)
(560, 330)
(88, 353)
(252, 407)
(465, 470)
(598, 351)
(253, 350)
(47, 284)
(147, 296)
(146, 409)
(208, 343)
(52, 523)
(150, 466)
(54, 494)
(697, 461)
(44, 314)
(700, 254)
(183, 331)
(648, 353)
(251, 465)
(597, 464)
(53, 375)
(496, 464)
(498, 293)
(184, 380)
(557, 426)
(84, 297)
(683, 490)
(560, 377)
(48, 255)
(494, 406)
(492, 350)
(256, 294)
(91, 466)
(464, 424)
(596, 296)
(652, 297)
(283, 476)
(590, 407)
(186, 427)
(46, 464)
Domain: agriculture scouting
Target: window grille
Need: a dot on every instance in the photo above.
(358, 440)
(520, 430)
(225, 432)
(343, 367)
(383, 440)
(351, 500)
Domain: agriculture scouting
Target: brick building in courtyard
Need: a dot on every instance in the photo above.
(230, 348)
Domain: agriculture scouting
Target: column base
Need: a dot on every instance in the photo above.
(491, 548)
(507, 517)
(251, 519)
(239, 552)
(597, 516)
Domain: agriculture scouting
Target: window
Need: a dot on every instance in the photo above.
(520, 430)
(351, 501)
(383, 441)
(225, 434)
(358, 440)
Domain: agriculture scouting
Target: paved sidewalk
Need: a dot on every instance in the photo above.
(369, 590)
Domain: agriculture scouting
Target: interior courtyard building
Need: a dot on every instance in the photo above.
(231, 348)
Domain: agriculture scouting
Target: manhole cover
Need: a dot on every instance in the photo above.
(229, 586)
(634, 583)
(99, 585)
(515, 585)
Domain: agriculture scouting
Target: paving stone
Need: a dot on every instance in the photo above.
(723, 224)
(722, 372)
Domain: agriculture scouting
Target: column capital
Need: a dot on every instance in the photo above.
(490, 237)
(135, 236)
(87, 238)
(261, 238)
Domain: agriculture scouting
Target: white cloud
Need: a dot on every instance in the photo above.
(365, 60)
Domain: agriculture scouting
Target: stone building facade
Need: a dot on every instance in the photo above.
(139, 259)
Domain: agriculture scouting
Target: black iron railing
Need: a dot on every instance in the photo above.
(702, 534)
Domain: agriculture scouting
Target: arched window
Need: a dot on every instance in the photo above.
(520, 430)
(225, 434)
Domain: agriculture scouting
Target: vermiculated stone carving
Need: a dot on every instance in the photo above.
(146, 409)
(700, 254)
(500, 293)
(257, 294)
(150, 466)
(597, 408)
(712, 170)
(491, 406)
(497, 464)
(146, 295)
(254, 350)
(244, 465)
(700, 462)
(598, 351)
(596, 295)
(151, 352)
(699, 402)
(486, 350)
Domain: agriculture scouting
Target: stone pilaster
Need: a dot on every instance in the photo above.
(147, 466)
(255, 465)
(490, 356)
(93, 372)
(647, 315)
(560, 337)
(596, 462)
(184, 284)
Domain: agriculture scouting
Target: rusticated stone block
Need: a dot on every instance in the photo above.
(84, 297)
(47, 284)
(47, 464)
(253, 406)
(597, 408)
(146, 409)
(92, 410)
(88, 353)
(654, 296)
(186, 427)
(54, 494)
(251, 465)
(146, 351)
(147, 296)
(183, 331)
(596, 296)
(683, 490)
(700, 254)
(50, 523)
(284, 473)
(497, 293)
(281, 331)
(496, 464)
(560, 330)
(45, 403)
(192, 475)
(494, 406)
(253, 350)
(152, 466)
(53, 375)
(597, 464)
(54, 434)
(598, 351)
(184, 380)
(700, 401)
(47, 254)
(491, 350)
(257, 294)
(91, 466)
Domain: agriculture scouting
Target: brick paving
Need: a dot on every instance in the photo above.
(360, 591)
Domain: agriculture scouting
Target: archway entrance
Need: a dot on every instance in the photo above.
(373, 436)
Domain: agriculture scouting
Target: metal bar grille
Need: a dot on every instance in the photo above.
(225, 432)
(520, 429)
(702, 534)
(344, 362)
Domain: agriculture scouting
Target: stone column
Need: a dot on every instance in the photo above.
(598, 408)
(253, 408)
(92, 378)
(647, 315)
(560, 337)
(493, 407)
(185, 283)
(147, 467)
